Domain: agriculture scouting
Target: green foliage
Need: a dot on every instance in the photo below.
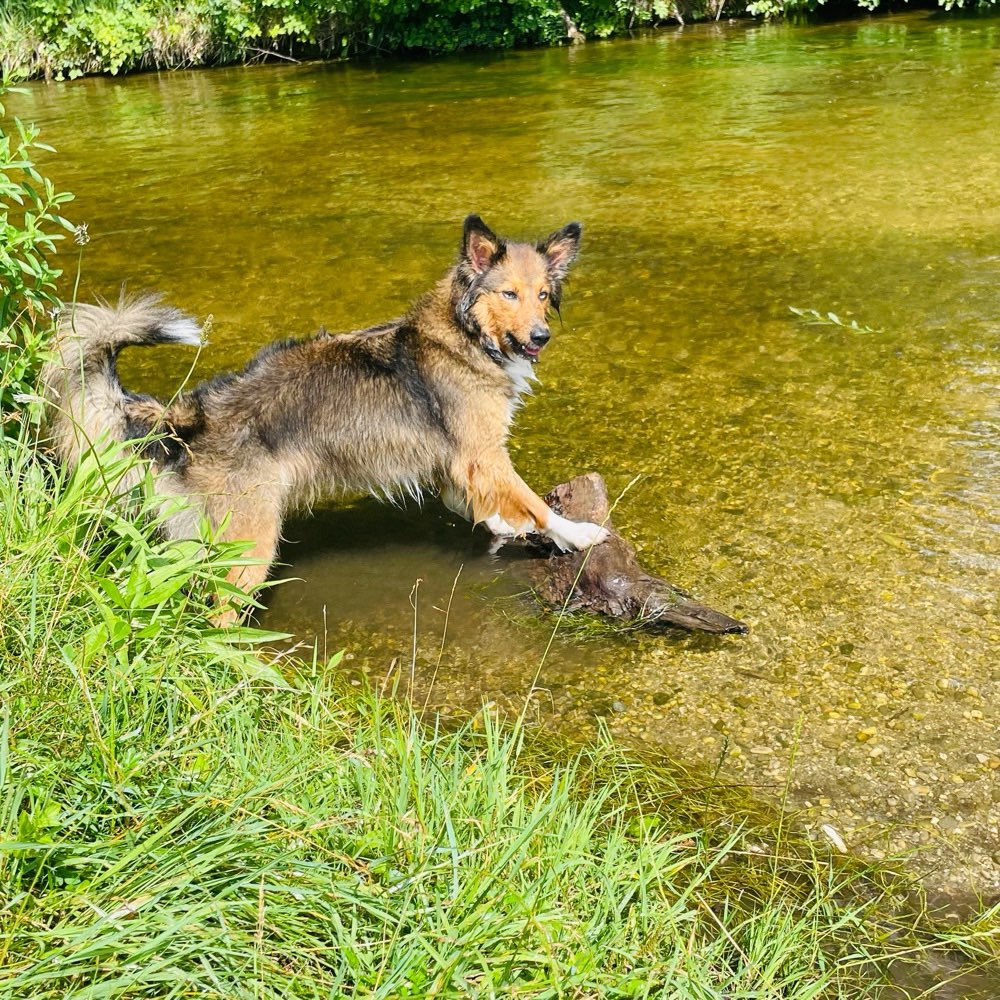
(66, 38)
(451, 25)
(961, 4)
(30, 227)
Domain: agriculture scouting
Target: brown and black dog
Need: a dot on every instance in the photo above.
(422, 401)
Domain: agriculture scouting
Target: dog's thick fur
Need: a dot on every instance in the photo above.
(425, 400)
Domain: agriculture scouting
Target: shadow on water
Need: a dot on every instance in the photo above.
(444, 585)
(836, 488)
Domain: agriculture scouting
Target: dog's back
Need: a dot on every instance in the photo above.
(319, 416)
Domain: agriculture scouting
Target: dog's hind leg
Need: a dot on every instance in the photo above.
(257, 519)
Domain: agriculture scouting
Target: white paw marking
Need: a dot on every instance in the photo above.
(575, 535)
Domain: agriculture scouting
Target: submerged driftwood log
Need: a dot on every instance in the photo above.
(611, 581)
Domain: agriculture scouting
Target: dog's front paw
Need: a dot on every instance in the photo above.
(502, 533)
(499, 527)
(575, 535)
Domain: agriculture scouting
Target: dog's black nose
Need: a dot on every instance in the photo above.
(540, 336)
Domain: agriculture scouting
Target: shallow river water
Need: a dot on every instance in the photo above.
(837, 488)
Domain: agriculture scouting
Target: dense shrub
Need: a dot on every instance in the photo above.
(71, 37)
(30, 228)
(60, 38)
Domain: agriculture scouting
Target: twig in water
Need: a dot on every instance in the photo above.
(444, 636)
(414, 600)
(277, 55)
(562, 610)
(813, 317)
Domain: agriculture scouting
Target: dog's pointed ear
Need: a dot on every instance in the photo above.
(561, 249)
(479, 243)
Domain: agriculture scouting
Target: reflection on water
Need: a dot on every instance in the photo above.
(836, 489)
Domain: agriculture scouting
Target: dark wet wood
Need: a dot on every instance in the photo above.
(611, 581)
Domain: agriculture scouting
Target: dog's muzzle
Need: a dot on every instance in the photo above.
(540, 336)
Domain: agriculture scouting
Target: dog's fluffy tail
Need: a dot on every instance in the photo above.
(86, 400)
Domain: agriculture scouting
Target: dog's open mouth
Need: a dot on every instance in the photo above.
(529, 350)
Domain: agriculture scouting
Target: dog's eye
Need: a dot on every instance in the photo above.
(510, 294)
(543, 295)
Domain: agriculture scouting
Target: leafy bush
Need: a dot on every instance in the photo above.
(66, 38)
(30, 227)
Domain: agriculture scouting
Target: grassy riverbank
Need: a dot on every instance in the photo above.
(181, 814)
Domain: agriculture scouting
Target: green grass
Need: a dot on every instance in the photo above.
(181, 816)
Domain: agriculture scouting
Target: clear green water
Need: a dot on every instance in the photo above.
(836, 489)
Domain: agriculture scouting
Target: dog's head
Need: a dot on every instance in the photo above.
(506, 291)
